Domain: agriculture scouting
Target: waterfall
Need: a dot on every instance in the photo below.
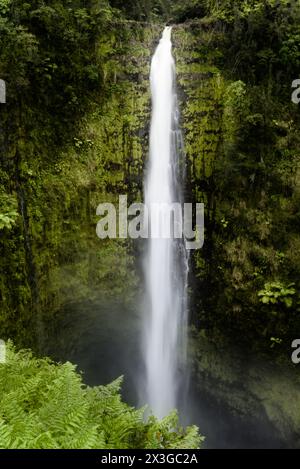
(166, 259)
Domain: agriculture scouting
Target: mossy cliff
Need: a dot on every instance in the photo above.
(241, 144)
(50, 254)
(66, 149)
(242, 153)
(257, 390)
(74, 133)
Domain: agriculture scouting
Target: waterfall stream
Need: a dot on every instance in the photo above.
(166, 263)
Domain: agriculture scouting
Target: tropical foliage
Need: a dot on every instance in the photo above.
(44, 405)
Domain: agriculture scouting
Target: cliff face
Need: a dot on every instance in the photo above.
(241, 145)
(243, 163)
(51, 255)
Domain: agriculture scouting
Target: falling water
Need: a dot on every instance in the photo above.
(166, 260)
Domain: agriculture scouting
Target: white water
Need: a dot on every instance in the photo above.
(166, 262)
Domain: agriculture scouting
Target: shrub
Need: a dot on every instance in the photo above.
(46, 405)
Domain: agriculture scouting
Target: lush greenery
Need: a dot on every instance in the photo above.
(71, 89)
(236, 62)
(44, 405)
(74, 133)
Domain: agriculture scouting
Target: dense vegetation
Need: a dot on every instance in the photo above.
(44, 405)
(60, 60)
(74, 133)
(251, 261)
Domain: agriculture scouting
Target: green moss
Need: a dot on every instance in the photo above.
(241, 147)
(201, 86)
(103, 158)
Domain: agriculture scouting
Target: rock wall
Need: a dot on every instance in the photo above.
(52, 255)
